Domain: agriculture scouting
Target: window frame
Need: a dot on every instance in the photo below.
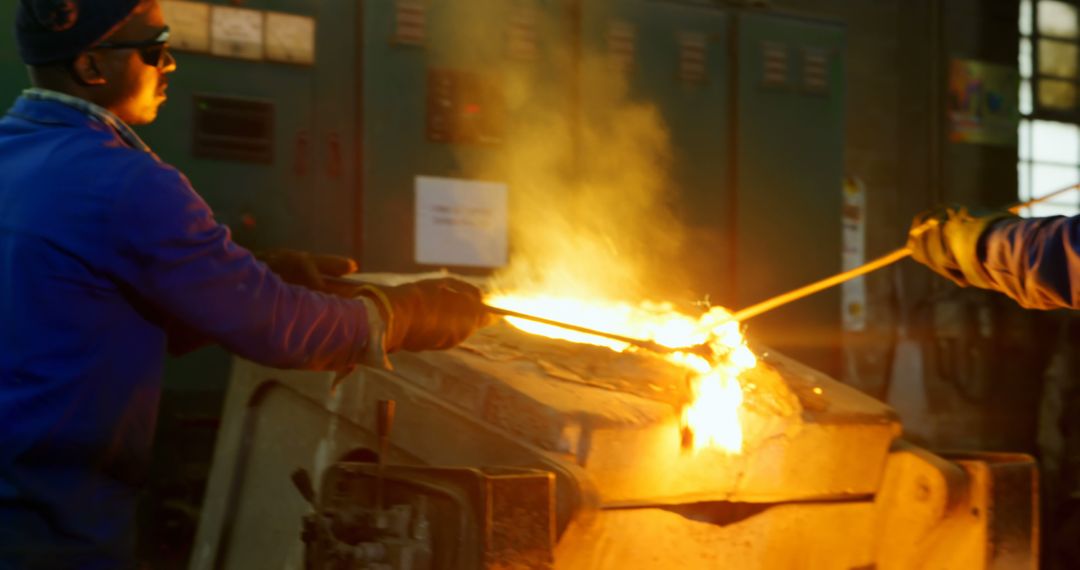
(1038, 110)
(1026, 165)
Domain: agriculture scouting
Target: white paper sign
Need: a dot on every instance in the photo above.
(460, 222)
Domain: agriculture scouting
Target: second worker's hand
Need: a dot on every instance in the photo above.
(946, 240)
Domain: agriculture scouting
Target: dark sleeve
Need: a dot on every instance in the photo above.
(183, 339)
(1035, 261)
(175, 255)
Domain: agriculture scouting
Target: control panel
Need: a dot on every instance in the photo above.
(464, 107)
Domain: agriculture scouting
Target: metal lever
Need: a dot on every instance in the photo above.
(383, 424)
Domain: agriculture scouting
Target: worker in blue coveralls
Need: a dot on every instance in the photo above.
(107, 258)
(1035, 261)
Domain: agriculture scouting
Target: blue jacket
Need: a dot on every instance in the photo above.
(104, 250)
(1035, 261)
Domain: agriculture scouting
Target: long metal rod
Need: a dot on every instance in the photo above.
(883, 261)
(701, 349)
(749, 312)
(806, 291)
(640, 343)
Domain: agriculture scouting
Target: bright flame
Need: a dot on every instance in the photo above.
(713, 414)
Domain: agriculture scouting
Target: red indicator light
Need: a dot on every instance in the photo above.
(472, 109)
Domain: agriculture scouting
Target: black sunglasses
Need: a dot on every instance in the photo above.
(151, 51)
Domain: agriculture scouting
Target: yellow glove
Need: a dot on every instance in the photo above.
(946, 240)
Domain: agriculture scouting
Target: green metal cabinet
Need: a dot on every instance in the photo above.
(465, 43)
(789, 133)
(756, 138)
(303, 197)
(679, 62)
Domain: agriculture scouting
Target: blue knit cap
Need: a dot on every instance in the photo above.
(51, 31)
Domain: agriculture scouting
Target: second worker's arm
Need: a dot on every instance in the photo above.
(1034, 261)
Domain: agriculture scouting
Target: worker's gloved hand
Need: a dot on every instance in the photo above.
(946, 239)
(429, 314)
(308, 269)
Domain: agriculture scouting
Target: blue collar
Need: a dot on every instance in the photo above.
(85, 110)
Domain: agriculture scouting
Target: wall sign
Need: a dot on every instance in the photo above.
(290, 38)
(853, 292)
(460, 222)
(236, 32)
(189, 25)
(983, 103)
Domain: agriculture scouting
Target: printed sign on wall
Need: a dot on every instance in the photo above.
(983, 103)
(189, 23)
(290, 38)
(460, 222)
(236, 32)
(853, 292)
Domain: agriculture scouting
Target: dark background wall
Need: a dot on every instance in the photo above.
(887, 85)
(966, 369)
(896, 143)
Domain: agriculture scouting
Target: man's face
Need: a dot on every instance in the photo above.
(134, 89)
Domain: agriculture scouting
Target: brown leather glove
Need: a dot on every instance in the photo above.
(946, 240)
(307, 269)
(432, 314)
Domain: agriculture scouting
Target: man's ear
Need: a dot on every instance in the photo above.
(87, 69)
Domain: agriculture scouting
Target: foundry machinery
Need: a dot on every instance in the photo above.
(520, 451)
(329, 155)
(321, 149)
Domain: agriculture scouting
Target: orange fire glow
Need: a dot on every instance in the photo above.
(713, 414)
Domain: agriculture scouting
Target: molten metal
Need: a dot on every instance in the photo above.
(716, 399)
